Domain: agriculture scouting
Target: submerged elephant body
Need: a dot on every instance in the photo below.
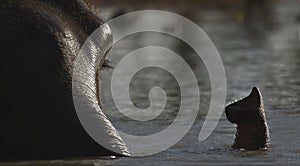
(40, 39)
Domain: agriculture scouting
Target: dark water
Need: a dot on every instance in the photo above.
(262, 52)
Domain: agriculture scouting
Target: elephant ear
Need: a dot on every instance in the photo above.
(86, 93)
(245, 109)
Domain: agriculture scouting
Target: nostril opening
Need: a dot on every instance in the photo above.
(232, 113)
(227, 110)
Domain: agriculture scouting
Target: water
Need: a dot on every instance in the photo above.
(261, 52)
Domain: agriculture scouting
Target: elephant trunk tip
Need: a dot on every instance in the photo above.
(252, 129)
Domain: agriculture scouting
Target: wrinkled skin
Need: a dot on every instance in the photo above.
(252, 129)
(39, 41)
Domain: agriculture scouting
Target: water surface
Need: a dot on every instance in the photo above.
(261, 52)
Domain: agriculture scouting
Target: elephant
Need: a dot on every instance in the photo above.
(40, 40)
(252, 129)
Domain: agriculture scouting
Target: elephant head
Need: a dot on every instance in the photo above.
(40, 42)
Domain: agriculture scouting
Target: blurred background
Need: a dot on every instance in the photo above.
(259, 43)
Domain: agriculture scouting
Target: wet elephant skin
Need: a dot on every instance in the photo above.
(39, 41)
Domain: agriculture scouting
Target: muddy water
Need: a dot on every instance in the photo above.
(263, 52)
